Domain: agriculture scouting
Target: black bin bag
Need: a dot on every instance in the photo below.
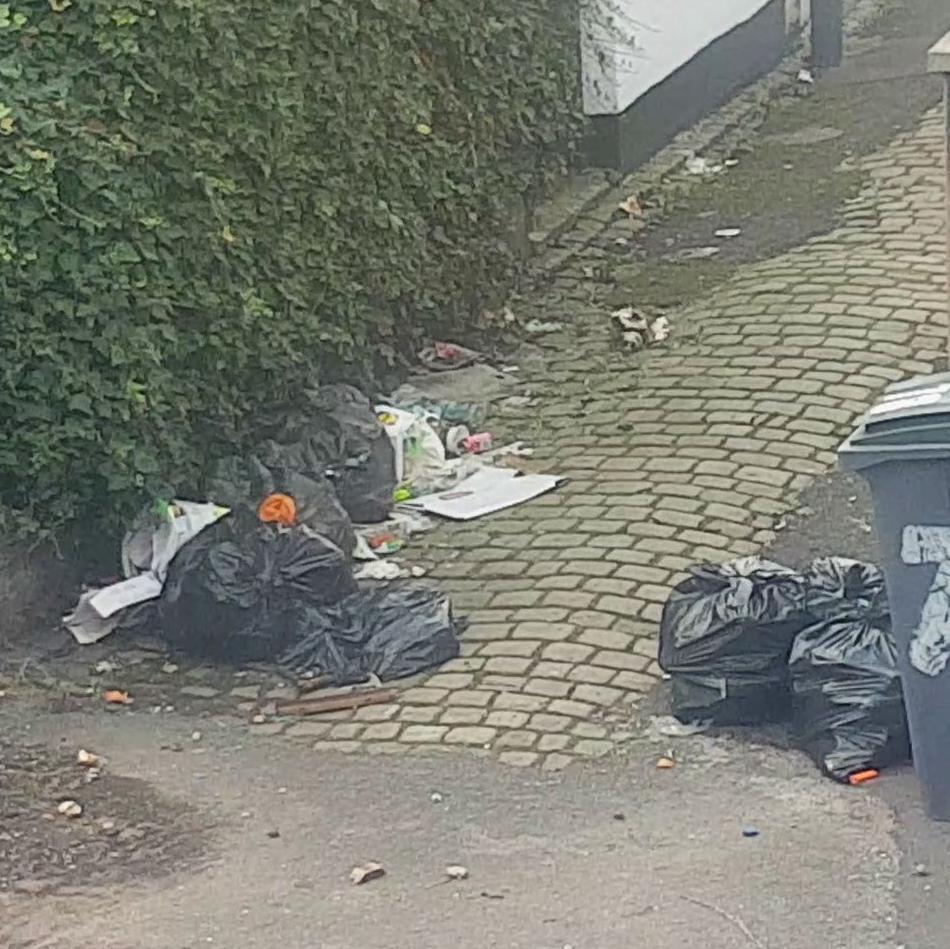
(243, 483)
(725, 637)
(847, 702)
(390, 631)
(232, 593)
(339, 425)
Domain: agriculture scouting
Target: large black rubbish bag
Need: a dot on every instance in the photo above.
(339, 425)
(725, 637)
(242, 483)
(847, 702)
(391, 631)
(232, 593)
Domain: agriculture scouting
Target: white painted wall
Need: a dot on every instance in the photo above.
(631, 45)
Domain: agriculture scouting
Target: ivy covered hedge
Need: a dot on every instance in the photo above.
(205, 204)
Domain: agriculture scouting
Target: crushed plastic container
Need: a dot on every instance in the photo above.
(902, 448)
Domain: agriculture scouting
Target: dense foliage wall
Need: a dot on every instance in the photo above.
(205, 204)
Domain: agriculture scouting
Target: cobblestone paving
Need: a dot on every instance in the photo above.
(688, 452)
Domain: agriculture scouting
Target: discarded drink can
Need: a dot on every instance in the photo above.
(476, 444)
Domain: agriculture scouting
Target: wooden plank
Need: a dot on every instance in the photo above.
(938, 59)
(318, 705)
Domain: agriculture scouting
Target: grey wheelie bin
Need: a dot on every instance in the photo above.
(902, 448)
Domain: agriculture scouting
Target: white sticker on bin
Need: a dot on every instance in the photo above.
(930, 641)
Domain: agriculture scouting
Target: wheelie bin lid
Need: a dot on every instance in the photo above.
(910, 421)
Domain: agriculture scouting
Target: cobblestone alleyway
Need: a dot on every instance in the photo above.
(691, 451)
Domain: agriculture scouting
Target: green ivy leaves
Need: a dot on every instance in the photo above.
(204, 206)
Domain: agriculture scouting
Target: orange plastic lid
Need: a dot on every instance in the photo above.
(278, 509)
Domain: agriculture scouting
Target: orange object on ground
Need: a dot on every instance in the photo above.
(861, 777)
(117, 697)
(278, 509)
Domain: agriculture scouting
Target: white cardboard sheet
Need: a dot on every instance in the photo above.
(486, 491)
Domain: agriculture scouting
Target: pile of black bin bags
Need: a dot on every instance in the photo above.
(753, 642)
(246, 591)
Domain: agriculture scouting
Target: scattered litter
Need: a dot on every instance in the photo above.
(87, 759)
(117, 697)
(665, 764)
(921, 870)
(639, 331)
(147, 552)
(666, 726)
(436, 797)
(374, 540)
(273, 834)
(847, 702)
(380, 570)
(456, 872)
(477, 444)
(728, 232)
(104, 667)
(539, 327)
(731, 162)
(632, 206)
(620, 816)
(419, 452)
(441, 356)
(660, 329)
(455, 439)
(366, 873)
(805, 75)
(862, 777)
(697, 165)
(750, 832)
(169, 668)
(70, 809)
(485, 492)
(196, 736)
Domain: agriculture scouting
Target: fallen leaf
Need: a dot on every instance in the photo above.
(424, 129)
(456, 872)
(366, 873)
(117, 697)
(665, 763)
